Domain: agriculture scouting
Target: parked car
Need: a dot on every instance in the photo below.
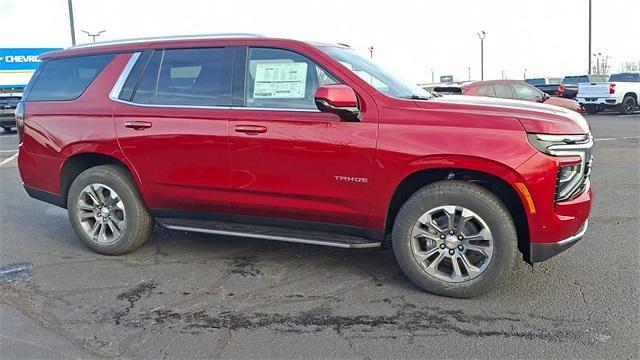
(569, 87)
(621, 91)
(546, 85)
(9, 99)
(518, 90)
(303, 142)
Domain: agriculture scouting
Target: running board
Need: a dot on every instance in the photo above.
(268, 233)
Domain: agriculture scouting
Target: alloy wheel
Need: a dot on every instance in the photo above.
(452, 243)
(101, 213)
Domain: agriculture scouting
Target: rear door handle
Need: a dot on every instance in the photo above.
(138, 125)
(251, 129)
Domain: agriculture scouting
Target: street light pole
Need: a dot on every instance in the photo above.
(73, 30)
(469, 71)
(371, 51)
(93, 36)
(433, 77)
(589, 37)
(524, 77)
(481, 36)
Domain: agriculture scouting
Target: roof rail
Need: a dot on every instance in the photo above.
(165, 38)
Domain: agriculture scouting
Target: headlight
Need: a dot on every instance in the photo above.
(572, 178)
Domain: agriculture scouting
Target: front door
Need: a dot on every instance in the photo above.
(287, 159)
(171, 121)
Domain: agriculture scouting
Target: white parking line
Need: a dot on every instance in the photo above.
(9, 159)
(6, 151)
(620, 138)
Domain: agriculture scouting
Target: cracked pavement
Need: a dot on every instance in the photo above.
(188, 295)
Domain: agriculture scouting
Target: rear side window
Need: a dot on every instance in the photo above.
(67, 79)
(503, 91)
(188, 77)
(486, 91)
(146, 91)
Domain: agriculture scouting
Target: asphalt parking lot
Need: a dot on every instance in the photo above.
(193, 296)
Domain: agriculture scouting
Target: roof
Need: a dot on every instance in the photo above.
(169, 41)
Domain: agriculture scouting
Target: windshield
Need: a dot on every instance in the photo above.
(374, 75)
(625, 77)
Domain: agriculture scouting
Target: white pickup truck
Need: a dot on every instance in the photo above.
(621, 91)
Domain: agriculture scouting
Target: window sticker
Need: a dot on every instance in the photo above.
(280, 81)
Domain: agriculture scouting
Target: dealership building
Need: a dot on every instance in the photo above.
(17, 65)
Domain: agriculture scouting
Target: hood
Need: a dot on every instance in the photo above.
(535, 117)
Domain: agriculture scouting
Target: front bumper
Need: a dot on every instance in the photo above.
(542, 252)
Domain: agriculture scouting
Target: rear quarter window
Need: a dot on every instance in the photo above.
(67, 79)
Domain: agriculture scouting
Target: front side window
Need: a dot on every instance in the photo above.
(278, 78)
(525, 92)
(67, 79)
(188, 77)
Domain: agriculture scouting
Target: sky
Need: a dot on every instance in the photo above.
(410, 38)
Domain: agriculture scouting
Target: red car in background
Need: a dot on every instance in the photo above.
(518, 90)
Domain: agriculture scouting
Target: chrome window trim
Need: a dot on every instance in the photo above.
(117, 88)
(274, 109)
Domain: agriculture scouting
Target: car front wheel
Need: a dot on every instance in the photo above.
(107, 212)
(454, 238)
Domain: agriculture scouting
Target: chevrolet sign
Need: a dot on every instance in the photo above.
(21, 58)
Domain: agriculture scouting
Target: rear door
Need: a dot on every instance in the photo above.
(288, 159)
(171, 119)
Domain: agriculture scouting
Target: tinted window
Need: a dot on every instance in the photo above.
(67, 79)
(625, 77)
(283, 79)
(575, 79)
(486, 91)
(134, 75)
(200, 77)
(503, 91)
(145, 93)
(526, 92)
(537, 81)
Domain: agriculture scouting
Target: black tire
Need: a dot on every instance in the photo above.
(139, 223)
(628, 105)
(591, 109)
(7, 129)
(472, 197)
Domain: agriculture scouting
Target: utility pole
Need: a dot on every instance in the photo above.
(94, 36)
(589, 37)
(524, 77)
(371, 51)
(433, 76)
(73, 30)
(481, 36)
(469, 70)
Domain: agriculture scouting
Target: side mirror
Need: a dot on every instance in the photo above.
(338, 99)
(545, 97)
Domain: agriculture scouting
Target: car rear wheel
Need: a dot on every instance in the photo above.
(454, 238)
(628, 105)
(107, 212)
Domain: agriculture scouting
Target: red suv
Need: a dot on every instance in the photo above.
(302, 142)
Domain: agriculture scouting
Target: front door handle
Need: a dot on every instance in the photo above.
(138, 125)
(251, 129)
